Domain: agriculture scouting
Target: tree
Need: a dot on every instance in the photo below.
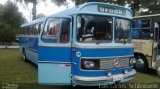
(35, 2)
(10, 21)
(119, 2)
(153, 6)
(10, 15)
(7, 34)
(40, 15)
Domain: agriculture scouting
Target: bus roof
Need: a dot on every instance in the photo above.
(144, 16)
(90, 7)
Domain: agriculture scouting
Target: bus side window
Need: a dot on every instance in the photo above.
(32, 30)
(35, 29)
(39, 28)
(65, 29)
(135, 33)
(28, 30)
(52, 31)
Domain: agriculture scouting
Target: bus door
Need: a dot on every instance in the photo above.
(156, 50)
(54, 63)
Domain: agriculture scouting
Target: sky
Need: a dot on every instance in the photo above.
(47, 8)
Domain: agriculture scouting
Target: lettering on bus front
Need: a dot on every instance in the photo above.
(111, 10)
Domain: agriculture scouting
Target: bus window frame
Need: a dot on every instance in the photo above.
(156, 33)
(56, 43)
(140, 29)
(92, 14)
(130, 33)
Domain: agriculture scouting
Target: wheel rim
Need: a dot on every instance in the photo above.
(140, 63)
(158, 71)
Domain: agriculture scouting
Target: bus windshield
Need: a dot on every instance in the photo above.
(94, 28)
(122, 31)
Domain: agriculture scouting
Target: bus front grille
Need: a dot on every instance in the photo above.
(106, 63)
(113, 63)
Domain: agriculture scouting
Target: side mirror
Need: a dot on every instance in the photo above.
(78, 21)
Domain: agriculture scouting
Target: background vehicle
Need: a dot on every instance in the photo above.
(146, 41)
(86, 45)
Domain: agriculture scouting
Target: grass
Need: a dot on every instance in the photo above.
(13, 70)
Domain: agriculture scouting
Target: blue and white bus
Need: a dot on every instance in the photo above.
(87, 45)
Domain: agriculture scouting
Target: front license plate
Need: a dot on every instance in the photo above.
(117, 77)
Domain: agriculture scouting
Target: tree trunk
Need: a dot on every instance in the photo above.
(34, 10)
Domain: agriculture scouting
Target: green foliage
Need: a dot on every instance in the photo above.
(7, 34)
(59, 2)
(152, 5)
(10, 21)
(11, 16)
(34, 2)
(120, 2)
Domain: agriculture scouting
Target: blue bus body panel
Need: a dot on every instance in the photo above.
(30, 45)
(98, 53)
(52, 69)
(54, 54)
(54, 74)
(105, 52)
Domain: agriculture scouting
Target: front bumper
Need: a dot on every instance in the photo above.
(102, 78)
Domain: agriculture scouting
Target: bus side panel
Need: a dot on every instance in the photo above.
(53, 74)
(32, 50)
(143, 46)
(54, 66)
(31, 55)
(30, 47)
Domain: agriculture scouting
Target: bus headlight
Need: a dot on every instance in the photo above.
(132, 61)
(89, 64)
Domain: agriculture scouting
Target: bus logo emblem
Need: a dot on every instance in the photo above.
(116, 62)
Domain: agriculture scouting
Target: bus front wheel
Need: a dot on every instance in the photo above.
(141, 64)
(158, 67)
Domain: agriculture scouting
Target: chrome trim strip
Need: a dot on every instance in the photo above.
(107, 57)
(32, 49)
(54, 62)
(101, 47)
(31, 36)
(55, 44)
(101, 78)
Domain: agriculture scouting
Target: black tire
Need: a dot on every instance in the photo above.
(158, 67)
(141, 64)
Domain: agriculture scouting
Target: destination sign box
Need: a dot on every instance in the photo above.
(112, 10)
